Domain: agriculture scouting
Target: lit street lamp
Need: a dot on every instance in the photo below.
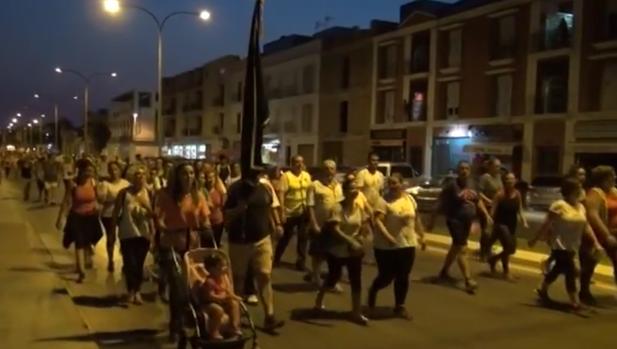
(114, 7)
(14, 120)
(86, 79)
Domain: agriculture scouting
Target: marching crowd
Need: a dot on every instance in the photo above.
(167, 208)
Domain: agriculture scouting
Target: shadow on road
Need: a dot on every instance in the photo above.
(302, 287)
(308, 316)
(562, 307)
(110, 301)
(147, 337)
(435, 280)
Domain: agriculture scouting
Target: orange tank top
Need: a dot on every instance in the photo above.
(84, 199)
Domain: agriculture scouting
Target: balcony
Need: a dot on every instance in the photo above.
(503, 52)
(218, 102)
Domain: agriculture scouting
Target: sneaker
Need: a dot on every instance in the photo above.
(471, 286)
(360, 319)
(251, 300)
(587, 298)
(271, 324)
(543, 295)
(402, 313)
(137, 300)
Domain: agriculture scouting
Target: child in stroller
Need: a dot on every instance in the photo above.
(218, 300)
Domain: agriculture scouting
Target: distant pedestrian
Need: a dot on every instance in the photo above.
(564, 228)
(51, 178)
(489, 185)
(506, 211)
(26, 175)
(371, 181)
(108, 193)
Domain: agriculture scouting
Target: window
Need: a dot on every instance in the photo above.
(504, 44)
(239, 123)
(420, 44)
(308, 79)
(547, 160)
(558, 27)
(552, 86)
(416, 109)
(455, 47)
(307, 118)
(345, 72)
(290, 120)
(343, 117)
(387, 61)
(192, 126)
(452, 99)
(385, 105)
(220, 100)
(503, 89)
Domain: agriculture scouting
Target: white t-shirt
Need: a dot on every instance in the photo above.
(350, 224)
(323, 199)
(135, 221)
(371, 185)
(108, 192)
(567, 230)
(399, 220)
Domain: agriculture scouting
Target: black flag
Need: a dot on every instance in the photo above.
(255, 105)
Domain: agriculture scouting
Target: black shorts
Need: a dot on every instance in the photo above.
(459, 231)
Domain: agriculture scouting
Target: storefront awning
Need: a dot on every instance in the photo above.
(489, 148)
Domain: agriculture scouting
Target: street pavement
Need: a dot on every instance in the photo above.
(502, 314)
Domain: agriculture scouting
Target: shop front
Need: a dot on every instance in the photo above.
(390, 145)
(186, 151)
(476, 144)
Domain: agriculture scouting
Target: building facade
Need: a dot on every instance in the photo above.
(131, 121)
(527, 81)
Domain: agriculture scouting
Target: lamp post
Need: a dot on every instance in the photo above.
(115, 6)
(86, 79)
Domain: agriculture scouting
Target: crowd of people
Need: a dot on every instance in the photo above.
(169, 208)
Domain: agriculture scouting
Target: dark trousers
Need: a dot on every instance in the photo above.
(393, 265)
(293, 225)
(335, 271)
(134, 252)
(109, 232)
(564, 264)
(588, 266)
(178, 296)
(217, 230)
(505, 236)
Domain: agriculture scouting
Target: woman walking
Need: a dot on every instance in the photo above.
(506, 211)
(347, 229)
(565, 226)
(398, 230)
(132, 215)
(82, 227)
(216, 202)
(108, 193)
(181, 210)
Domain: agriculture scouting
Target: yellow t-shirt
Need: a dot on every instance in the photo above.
(295, 189)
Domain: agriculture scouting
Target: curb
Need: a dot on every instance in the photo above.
(522, 257)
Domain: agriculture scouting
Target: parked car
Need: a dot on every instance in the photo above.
(544, 190)
(427, 190)
(406, 170)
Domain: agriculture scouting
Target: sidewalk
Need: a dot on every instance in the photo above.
(35, 310)
(98, 299)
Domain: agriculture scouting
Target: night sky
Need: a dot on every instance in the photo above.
(37, 35)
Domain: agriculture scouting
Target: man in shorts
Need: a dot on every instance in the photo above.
(51, 177)
(250, 221)
(460, 205)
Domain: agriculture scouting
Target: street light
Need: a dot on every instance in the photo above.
(114, 7)
(43, 116)
(14, 120)
(86, 79)
(19, 115)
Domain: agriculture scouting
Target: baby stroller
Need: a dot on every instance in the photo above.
(195, 324)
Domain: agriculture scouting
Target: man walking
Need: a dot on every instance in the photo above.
(489, 185)
(250, 221)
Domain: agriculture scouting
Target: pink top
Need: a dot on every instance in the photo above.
(84, 198)
(183, 215)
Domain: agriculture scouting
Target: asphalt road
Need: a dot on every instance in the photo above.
(501, 315)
